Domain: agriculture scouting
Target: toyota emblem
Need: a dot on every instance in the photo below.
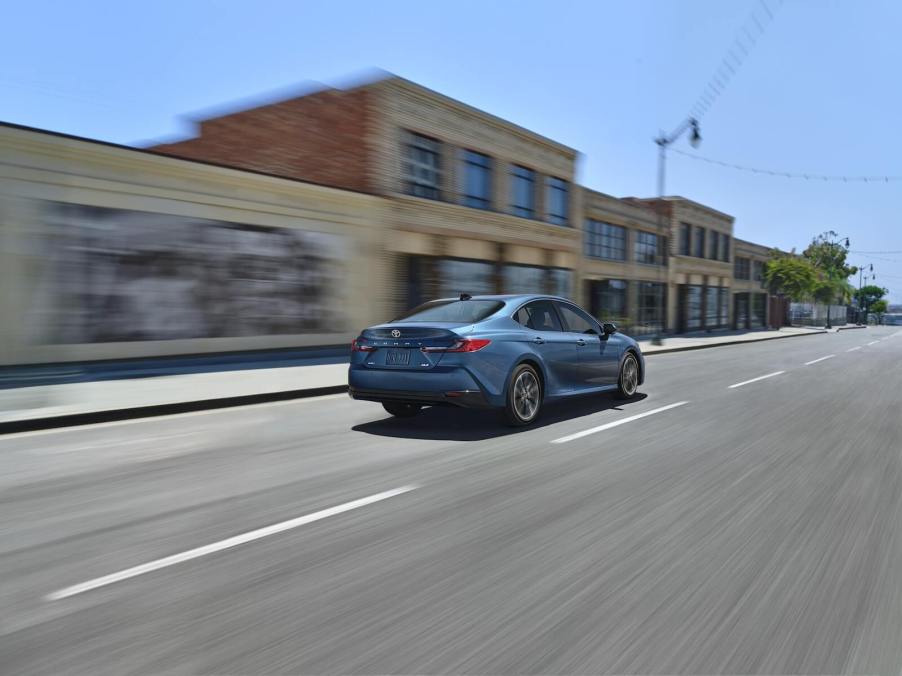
(395, 333)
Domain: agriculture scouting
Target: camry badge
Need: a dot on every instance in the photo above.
(395, 333)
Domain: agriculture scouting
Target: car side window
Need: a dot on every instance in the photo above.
(538, 315)
(575, 320)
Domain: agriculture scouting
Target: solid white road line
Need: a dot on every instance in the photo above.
(755, 380)
(852, 349)
(815, 361)
(873, 342)
(241, 539)
(602, 428)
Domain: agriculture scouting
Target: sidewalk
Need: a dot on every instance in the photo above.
(76, 402)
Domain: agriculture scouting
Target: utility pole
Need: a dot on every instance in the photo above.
(860, 297)
(689, 124)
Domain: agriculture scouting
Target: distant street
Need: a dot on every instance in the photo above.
(751, 522)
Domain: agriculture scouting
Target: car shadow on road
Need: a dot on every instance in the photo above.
(458, 424)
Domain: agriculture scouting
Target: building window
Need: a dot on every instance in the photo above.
(741, 268)
(712, 307)
(422, 166)
(741, 310)
(535, 279)
(759, 309)
(608, 300)
(758, 272)
(647, 248)
(693, 308)
(713, 241)
(561, 282)
(725, 248)
(557, 202)
(699, 248)
(724, 306)
(685, 235)
(477, 179)
(523, 191)
(649, 307)
(458, 276)
(603, 240)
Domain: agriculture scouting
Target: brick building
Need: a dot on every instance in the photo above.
(476, 203)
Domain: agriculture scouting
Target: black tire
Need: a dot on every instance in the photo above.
(628, 380)
(524, 396)
(400, 409)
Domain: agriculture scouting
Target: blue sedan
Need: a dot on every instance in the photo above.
(513, 353)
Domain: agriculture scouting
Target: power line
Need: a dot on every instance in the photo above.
(751, 31)
(790, 174)
(875, 252)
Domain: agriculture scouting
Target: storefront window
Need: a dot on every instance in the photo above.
(460, 276)
(609, 301)
(711, 307)
(693, 308)
(649, 307)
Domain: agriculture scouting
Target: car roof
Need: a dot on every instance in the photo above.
(510, 297)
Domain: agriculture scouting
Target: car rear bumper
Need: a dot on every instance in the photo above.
(462, 398)
(452, 386)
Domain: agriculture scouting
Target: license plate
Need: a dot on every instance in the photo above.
(397, 357)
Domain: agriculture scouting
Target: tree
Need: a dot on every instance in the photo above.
(879, 307)
(828, 257)
(789, 275)
(870, 294)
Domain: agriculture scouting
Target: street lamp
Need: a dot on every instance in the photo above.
(690, 124)
(860, 298)
(832, 244)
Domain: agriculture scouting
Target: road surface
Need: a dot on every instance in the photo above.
(751, 522)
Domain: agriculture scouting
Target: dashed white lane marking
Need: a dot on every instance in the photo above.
(852, 349)
(815, 361)
(755, 380)
(241, 539)
(873, 342)
(622, 421)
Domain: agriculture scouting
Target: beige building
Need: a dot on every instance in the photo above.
(751, 306)
(109, 252)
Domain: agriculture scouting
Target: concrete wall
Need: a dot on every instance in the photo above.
(37, 169)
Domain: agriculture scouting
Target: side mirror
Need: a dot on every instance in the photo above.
(609, 328)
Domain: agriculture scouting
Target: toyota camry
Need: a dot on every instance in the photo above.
(514, 353)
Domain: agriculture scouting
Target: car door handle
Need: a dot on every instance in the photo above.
(538, 339)
(581, 342)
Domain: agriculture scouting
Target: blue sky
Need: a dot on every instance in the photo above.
(819, 92)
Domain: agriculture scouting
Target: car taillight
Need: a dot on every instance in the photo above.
(357, 347)
(468, 345)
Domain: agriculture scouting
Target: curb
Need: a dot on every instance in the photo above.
(112, 415)
(668, 350)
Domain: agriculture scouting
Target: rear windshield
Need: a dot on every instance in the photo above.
(464, 311)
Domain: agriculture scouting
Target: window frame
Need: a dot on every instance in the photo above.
(600, 236)
(469, 160)
(554, 313)
(640, 254)
(579, 312)
(413, 184)
(519, 173)
(557, 186)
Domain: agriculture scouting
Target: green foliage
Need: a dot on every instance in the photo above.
(791, 276)
(829, 256)
(870, 294)
(879, 306)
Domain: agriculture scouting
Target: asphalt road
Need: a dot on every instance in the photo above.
(752, 529)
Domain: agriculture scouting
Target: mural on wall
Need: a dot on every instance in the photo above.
(110, 275)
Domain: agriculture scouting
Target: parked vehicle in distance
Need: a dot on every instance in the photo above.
(510, 352)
